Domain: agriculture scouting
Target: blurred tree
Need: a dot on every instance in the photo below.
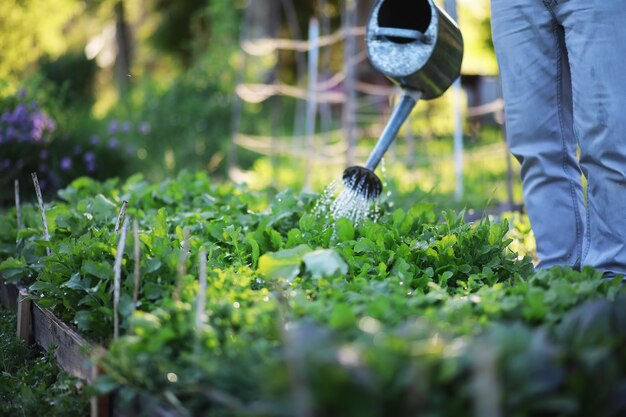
(124, 47)
(474, 20)
(30, 29)
(72, 75)
(179, 21)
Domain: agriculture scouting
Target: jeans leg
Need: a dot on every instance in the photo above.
(595, 34)
(537, 91)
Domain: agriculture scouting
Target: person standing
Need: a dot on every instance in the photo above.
(563, 73)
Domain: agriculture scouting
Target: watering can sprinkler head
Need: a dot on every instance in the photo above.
(418, 47)
(363, 181)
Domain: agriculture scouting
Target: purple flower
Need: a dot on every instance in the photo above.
(43, 167)
(126, 127)
(112, 143)
(77, 149)
(22, 94)
(20, 111)
(26, 123)
(12, 134)
(89, 156)
(113, 126)
(130, 149)
(66, 163)
(144, 128)
(94, 140)
(90, 161)
(43, 154)
(5, 165)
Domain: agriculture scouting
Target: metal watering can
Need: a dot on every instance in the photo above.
(415, 44)
(420, 48)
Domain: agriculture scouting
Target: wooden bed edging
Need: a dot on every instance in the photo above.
(74, 354)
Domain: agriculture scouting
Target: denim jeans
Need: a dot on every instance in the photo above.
(563, 72)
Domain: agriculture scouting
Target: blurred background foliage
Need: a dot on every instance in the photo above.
(149, 86)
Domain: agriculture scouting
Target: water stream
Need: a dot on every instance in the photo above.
(347, 200)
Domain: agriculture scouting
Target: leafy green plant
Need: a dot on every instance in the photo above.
(242, 232)
(409, 314)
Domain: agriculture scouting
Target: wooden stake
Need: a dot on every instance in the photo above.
(312, 100)
(201, 300)
(46, 235)
(184, 254)
(24, 317)
(117, 270)
(18, 209)
(182, 264)
(120, 217)
(137, 256)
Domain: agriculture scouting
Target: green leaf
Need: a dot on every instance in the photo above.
(397, 217)
(365, 245)
(496, 232)
(254, 247)
(152, 291)
(103, 209)
(14, 269)
(12, 263)
(74, 282)
(344, 229)
(161, 228)
(342, 316)
(324, 263)
(40, 286)
(283, 264)
(102, 270)
(83, 320)
(152, 264)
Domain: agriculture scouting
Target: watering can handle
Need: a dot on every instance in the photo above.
(402, 33)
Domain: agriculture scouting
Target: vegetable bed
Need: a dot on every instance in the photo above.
(235, 303)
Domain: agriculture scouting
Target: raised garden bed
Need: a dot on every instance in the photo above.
(234, 303)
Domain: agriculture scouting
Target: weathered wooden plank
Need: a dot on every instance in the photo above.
(101, 406)
(24, 317)
(8, 295)
(72, 350)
